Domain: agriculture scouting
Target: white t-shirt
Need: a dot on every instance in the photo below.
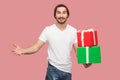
(60, 45)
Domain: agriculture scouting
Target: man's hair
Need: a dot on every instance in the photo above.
(61, 5)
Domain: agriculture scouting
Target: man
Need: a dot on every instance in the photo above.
(61, 37)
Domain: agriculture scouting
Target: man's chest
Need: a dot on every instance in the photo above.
(58, 37)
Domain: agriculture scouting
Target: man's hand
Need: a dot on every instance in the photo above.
(17, 50)
(29, 50)
(87, 65)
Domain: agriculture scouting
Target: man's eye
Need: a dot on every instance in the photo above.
(64, 12)
(58, 12)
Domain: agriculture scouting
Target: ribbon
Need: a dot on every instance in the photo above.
(82, 35)
(87, 54)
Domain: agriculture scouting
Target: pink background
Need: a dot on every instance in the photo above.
(21, 22)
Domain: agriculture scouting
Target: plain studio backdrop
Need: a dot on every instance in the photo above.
(21, 22)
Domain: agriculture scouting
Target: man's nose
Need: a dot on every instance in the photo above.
(61, 15)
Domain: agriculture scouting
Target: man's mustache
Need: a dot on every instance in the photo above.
(61, 18)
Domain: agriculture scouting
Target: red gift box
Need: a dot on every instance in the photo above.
(87, 38)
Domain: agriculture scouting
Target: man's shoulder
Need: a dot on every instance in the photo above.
(71, 27)
(49, 28)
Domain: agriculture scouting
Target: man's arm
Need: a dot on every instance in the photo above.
(30, 50)
(75, 48)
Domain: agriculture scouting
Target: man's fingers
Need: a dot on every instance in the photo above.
(16, 50)
(15, 45)
(87, 65)
(16, 54)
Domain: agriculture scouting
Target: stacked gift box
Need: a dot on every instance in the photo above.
(88, 50)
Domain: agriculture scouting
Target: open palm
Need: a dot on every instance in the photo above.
(17, 49)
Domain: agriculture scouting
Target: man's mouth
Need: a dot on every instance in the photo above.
(61, 18)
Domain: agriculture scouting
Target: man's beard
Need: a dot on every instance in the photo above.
(61, 22)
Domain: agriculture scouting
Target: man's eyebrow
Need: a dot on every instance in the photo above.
(64, 11)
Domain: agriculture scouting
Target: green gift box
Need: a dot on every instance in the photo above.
(89, 54)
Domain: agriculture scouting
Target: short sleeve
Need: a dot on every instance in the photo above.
(75, 39)
(43, 35)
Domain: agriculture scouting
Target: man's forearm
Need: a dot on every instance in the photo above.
(34, 48)
(29, 50)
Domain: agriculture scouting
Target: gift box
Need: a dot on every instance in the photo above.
(87, 38)
(89, 54)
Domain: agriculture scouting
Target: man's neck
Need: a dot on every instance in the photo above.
(61, 26)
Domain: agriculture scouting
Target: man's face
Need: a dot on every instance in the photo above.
(61, 15)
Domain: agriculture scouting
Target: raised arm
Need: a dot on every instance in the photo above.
(30, 50)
